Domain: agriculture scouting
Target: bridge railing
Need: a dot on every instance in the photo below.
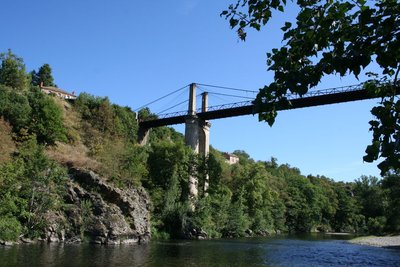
(230, 105)
(329, 91)
(172, 114)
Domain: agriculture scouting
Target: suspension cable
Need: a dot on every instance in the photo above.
(228, 88)
(174, 106)
(159, 113)
(158, 99)
(237, 96)
(173, 101)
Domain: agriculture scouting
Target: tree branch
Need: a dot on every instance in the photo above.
(395, 81)
(396, 75)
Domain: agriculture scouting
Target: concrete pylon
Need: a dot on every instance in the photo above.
(192, 133)
(204, 102)
(197, 137)
(192, 122)
(204, 136)
(192, 100)
(143, 136)
(192, 139)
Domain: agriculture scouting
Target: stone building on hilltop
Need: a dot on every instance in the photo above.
(231, 158)
(58, 92)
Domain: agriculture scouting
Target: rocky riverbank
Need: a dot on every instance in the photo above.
(96, 212)
(378, 241)
(113, 216)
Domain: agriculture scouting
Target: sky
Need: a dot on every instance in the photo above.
(136, 51)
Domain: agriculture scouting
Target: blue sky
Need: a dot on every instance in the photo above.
(135, 51)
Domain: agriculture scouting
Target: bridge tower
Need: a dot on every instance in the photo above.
(204, 135)
(197, 136)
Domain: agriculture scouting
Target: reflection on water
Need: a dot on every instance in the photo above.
(74, 255)
(304, 250)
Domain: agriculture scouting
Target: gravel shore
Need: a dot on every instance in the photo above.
(378, 241)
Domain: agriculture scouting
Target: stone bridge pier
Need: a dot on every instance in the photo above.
(197, 137)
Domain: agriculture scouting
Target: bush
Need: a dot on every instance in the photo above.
(46, 118)
(10, 228)
(12, 71)
(14, 107)
(376, 225)
(7, 146)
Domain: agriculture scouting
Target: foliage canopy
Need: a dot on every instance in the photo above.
(333, 37)
(242, 199)
(43, 76)
(12, 71)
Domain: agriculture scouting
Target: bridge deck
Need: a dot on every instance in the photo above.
(311, 101)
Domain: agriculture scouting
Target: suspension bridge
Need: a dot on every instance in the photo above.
(246, 106)
(197, 126)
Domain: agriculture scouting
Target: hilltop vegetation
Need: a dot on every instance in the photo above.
(42, 137)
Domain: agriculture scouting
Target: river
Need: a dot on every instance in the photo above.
(303, 250)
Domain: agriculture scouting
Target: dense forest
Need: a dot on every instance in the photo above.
(42, 136)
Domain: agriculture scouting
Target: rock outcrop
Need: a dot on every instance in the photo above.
(102, 213)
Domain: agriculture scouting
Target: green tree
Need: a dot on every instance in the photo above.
(167, 183)
(125, 164)
(42, 185)
(12, 71)
(214, 170)
(327, 202)
(212, 212)
(87, 105)
(332, 37)
(104, 117)
(257, 195)
(145, 114)
(391, 185)
(46, 118)
(238, 220)
(369, 194)
(125, 123)
(30, 186)
(10, 228)
(15, 108)
(347, 217)
(43, 76)
(301, 209)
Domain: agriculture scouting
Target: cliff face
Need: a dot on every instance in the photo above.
(101, 213)
(47, 146)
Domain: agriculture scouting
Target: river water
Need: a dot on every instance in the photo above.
(306, 250)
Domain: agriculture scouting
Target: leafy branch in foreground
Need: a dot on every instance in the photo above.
(333, 37)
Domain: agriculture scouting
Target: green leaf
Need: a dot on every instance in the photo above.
(224, 13)
(233, 22)
(287, 26)
(374, 123)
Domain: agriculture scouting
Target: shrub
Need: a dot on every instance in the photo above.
(12, 71)
(376, 225)
(10, 228)
(7, 145)
(14, 107)
(46, 118)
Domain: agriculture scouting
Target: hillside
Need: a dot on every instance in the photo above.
(72, 171)
(48, 182)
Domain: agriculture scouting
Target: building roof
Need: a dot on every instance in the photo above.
(229, 155)
(56, 90)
